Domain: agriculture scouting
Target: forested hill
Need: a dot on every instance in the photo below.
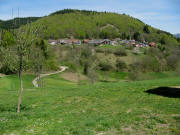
(17, 22)
(90, 24)
(82, 24)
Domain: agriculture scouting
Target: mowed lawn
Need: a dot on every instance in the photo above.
(61, 107)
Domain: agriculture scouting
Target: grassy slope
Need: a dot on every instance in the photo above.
(64, 108)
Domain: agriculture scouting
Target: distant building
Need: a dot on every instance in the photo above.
(117, 39)
(86, 41)
(66, 41)
(132, 42)
(52, 42)
(113, 43)
(152, 44)
(99, 42)
(76, 42)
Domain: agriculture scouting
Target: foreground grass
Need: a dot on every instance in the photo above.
(64, 108)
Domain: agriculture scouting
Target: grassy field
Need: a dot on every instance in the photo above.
(62, 107)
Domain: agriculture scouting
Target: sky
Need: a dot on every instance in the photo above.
(162, 14)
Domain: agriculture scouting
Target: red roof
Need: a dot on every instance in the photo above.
(86, 40)
(152, 44)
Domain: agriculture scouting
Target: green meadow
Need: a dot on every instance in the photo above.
(61, 107)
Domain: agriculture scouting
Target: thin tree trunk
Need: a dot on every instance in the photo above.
(21, 85)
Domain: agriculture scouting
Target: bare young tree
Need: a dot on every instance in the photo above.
(92, 74)
(24, 37)
(77, 59)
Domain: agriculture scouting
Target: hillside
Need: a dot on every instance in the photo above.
(177, 35)
(17, 22)
(90, 24)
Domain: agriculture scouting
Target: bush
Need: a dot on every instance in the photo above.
(121, 65)
(50, 64)
(172, 61)
(105, 50)
(105, 66)
(149, 64)
(178, 68)
(107, 63)
(155, 52)
(120, 52)
(92, 75)
(173, 55)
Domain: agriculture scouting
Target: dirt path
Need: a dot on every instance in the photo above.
(35, 81)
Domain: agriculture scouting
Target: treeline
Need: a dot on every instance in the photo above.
(83, 24)
(16, 22)
(66, 11)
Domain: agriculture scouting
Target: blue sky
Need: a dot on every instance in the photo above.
(162, 14)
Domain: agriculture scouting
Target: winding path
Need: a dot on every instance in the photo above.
(35, 81)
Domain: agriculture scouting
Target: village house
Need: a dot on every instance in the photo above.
(66, 42)
(117, 39)
(86, 41)
(52, 42)
(126, 42)
(152, 44)
(132, 42)
(99, 42)
(113, 43)
(76, 42)
(107, 41)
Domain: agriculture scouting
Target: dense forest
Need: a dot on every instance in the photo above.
(16, 22)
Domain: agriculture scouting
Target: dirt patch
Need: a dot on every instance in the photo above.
(73, 77)
(109, 25)
(1, 75)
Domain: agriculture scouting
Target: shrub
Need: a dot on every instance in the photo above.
(172, 61)
(173, 55)
(148, 64)
(105, 66)
(178, 68)
(107, 63)
(155, 52)
(120, 52)
(92, 75)
(50, 64)
(121, 65)
(105, 50)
